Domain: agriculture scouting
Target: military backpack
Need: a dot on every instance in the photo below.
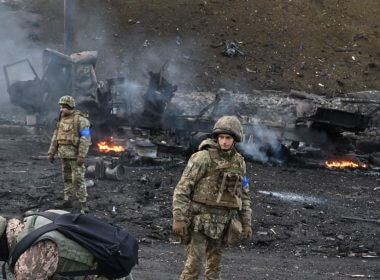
(115, 250)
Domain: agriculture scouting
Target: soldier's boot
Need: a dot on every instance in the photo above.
(67, 204)
(84, 208)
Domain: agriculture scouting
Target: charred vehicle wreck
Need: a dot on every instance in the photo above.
(273, 121)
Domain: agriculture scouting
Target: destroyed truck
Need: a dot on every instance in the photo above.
(107, 103)
(271, 119)
(62, 74)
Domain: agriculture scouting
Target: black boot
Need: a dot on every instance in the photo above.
(84, 208)
(67, 204)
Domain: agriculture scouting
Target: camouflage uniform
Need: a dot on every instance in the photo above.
(71, 139)
(210, 192)
(38, 262)
(43, 259)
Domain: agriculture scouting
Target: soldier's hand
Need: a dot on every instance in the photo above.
(51, 158)
(80, 161)
(247, 233)
(179, 228)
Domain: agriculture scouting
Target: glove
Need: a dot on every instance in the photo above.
(247, 233)
(51, 158)
(179, 228)
(80, 161)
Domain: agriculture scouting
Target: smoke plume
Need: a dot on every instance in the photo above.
(262, 146)
(18, 33)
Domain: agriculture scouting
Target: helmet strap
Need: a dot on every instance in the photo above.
(67, 106)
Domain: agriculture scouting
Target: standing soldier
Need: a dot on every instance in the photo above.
(211, 205)
(71, 139)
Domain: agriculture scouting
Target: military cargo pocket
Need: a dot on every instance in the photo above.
(210, 225)
(233, 233)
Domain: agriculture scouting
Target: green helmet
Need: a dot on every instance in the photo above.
(67, 100)
(229, 125)
(3, 224)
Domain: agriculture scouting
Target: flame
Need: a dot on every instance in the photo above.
(344, 164)
(104, 147)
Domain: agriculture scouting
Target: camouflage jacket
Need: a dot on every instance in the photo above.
(196, 170)
(40, 261)
(71, 137)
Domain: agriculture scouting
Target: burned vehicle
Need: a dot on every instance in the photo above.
(271, 119)
(62, 74)
(108, 103)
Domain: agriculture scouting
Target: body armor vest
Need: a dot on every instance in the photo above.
(222, 184)
(67, 130)
(72, 256)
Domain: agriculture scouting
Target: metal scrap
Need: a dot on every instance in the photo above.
(231, 48)
(376, 221)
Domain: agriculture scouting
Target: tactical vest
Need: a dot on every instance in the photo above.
(68, 130)
(72, 256)
(222, 184)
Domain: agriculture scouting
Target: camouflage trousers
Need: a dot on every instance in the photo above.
(202, 246)
(73, 180)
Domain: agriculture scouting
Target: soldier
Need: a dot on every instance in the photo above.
(71, 139)
(211, 205)
(51, 254)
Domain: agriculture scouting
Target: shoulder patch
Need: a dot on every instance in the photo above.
(245, 182)
(85, 132)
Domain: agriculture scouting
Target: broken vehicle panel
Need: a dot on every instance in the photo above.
(25, 90)
(341, 119)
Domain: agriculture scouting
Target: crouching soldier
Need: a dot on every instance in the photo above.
(49, 256)
(211, 205)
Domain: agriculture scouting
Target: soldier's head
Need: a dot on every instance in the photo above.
(228, 130)
(66, 104)
(4, 252)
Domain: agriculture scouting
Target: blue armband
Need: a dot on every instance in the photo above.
(245, 182)
(85, 132)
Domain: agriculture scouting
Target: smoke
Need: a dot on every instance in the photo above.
(18, 33)
(162, 57)
(131, 54)
(166, 55)
(262, 146)
(132, 95)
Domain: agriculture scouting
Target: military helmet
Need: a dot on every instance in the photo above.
(229, 125)
(67, 100)
(3, 224)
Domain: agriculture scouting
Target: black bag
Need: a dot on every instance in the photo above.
(114, 249)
